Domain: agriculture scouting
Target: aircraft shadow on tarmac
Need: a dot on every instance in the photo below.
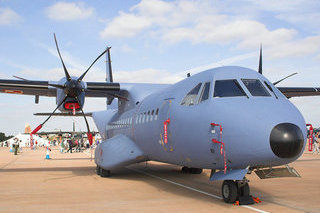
(77, 171)
(164, 171)
(63, 159)
(173, 173)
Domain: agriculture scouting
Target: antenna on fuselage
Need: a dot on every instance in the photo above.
(260, 60)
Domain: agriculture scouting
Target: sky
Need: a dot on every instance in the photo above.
(153, 41)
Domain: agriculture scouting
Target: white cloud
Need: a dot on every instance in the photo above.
(125, 25)
(207, 22)
(63, 11)
(8, 16)
(295, 48)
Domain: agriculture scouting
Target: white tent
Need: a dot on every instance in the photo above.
(25, 140)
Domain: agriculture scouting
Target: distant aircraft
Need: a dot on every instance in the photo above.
(231, 120)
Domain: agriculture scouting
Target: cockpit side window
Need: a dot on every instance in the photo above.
(191, 97)
(270, 88)
(255, 87)
(205, 92)
(228, 88)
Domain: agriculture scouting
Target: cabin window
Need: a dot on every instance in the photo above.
(228, 88)
(191, 97)
(205, 92)
(148, 116)
(157, 112)
(151, 117)
(255, 87)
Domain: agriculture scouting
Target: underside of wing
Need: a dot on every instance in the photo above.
(40, 88)
(62, 114)
(290, 92)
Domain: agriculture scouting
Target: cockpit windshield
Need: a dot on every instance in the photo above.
(255, 87)
(228, 88)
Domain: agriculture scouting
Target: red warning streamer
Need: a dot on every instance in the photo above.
(32, 133)
(90, 138)
(165, 128)
(222, 146)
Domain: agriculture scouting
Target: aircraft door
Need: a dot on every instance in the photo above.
(165, 127)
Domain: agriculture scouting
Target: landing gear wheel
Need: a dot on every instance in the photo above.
(185, 169)
(195, 171)
(191, 170)
(229, 191)
(98, 170)
(105, 173)
(244, 190)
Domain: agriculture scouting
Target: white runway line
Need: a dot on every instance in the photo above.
(193, 189)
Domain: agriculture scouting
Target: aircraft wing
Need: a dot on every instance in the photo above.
(290, 92)
(40, 88)
(101, 89)
(43, 88)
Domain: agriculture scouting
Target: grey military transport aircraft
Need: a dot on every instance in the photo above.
(231, 120)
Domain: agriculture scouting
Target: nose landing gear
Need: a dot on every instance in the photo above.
(102, 172)
(236, 190)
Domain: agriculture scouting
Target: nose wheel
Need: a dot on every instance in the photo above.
(103, 172)
(236, 190)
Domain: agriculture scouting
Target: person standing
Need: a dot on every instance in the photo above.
(315, 143)
(16, 146)
(70, 145)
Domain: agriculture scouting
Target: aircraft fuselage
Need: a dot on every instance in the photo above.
(167, 126)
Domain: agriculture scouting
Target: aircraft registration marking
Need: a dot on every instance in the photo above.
(12, 91)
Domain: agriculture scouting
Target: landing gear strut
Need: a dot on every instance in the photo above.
(103, 172)
(236, 190)
(191, 170)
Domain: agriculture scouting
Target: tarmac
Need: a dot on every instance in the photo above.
(68, 183)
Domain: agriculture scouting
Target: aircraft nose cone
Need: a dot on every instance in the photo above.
(286, 140)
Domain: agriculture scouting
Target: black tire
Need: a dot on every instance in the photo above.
(195, 171)
(98, 170)
(105, 173)
(229, 191)
(185, 169)
(245, 190)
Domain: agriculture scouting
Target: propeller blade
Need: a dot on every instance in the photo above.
(64, 67)
(277, 82)
(57, 86)
(20, 78)
(41, 125)
(82, 76)
(260, 61)
(87, 124)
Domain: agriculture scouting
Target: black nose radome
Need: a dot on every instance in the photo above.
(286, 140)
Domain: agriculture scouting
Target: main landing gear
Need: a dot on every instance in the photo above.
(102, 172)
(236, 190)
(191, 170)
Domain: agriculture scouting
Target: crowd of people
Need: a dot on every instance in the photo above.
(73, 145)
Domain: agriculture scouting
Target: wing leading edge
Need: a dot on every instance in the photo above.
(290, 92)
